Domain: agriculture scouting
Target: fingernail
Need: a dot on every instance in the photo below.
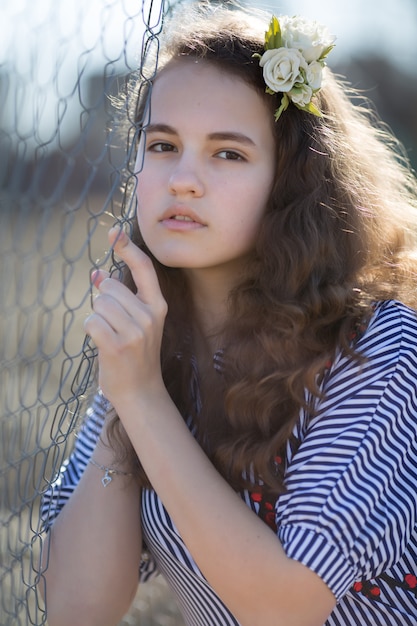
(117, 230)
(94, 276)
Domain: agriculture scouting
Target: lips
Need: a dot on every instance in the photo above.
(181, 214)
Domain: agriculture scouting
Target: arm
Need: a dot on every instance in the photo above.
(91, 556)
(234, 549)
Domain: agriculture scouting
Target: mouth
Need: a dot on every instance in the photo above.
(181, 214)
(181, 218)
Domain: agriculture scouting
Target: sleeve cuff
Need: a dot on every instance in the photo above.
(148, 569)
(319, 554)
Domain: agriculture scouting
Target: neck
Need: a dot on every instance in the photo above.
(210, 292)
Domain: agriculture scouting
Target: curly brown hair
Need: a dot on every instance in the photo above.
(338, 233)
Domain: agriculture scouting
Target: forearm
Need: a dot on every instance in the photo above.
(234, 549)
(92, 554)
(238, 554)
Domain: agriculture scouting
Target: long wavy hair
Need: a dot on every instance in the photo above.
(338, 233)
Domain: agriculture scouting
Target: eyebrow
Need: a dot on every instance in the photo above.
(217, 136)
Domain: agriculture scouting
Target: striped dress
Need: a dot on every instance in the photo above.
(350, 509)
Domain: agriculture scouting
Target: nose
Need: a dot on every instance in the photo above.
(185, 178)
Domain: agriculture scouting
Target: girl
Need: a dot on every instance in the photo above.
(254, 435)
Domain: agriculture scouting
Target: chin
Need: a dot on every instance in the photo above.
(169, 261)
(173, 260)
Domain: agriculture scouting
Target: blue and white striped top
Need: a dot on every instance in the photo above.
(350, 509)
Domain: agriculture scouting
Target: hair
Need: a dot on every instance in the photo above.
(338, 233)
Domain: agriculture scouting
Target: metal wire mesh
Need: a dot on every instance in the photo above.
(61, 171)
(61, 167)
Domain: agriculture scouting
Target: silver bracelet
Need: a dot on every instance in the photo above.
(108, 472)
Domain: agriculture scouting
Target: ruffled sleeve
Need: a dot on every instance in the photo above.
(351, 506)
(60, 490)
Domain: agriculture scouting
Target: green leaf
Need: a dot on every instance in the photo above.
(285, 101)
(310, 108)
(326, 52)
(273, 38)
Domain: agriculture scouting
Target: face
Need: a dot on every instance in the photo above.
(207, 170)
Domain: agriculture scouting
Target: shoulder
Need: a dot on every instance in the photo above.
(351, 480)
(385, 368)
(392, 316)
(391, 336)
(388, 340)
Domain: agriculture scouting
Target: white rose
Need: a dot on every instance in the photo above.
(282, 68)
(301, 95)
(309, 37)
(314, 75)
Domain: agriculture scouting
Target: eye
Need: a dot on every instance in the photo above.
(161, 146)
(230, 155)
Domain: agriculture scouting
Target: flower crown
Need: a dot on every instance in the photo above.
(294, 57)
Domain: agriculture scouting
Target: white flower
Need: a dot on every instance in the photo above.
(314, 75)
(293, 61)
(309, 37)
(301, 95)
(282, 68)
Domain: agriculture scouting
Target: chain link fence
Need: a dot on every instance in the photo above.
(63, 165)
(61, 173)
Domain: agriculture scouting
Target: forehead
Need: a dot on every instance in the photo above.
(197, 91)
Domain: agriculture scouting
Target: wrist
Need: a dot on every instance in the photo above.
(143, 404)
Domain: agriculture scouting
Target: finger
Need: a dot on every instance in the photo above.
(112, 312)
(109, 319)
(114, 331)
(98, 276)
(139, 263)
(98, 329)
(128, 300)
(121, 313)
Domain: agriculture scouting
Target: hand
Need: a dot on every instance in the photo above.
(126, 327)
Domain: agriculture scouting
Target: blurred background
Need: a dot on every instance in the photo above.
(376, 49)
(61, 164)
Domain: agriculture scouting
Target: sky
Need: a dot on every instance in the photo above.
(65, 38)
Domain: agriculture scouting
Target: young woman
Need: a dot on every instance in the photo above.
(254, 434)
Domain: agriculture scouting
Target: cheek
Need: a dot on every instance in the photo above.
(255, 202)
(141, 208)
(243, 231)
(252, 220)
(143, 192)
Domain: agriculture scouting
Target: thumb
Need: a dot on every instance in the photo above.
(139, 263)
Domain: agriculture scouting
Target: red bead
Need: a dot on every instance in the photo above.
(411, 580)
